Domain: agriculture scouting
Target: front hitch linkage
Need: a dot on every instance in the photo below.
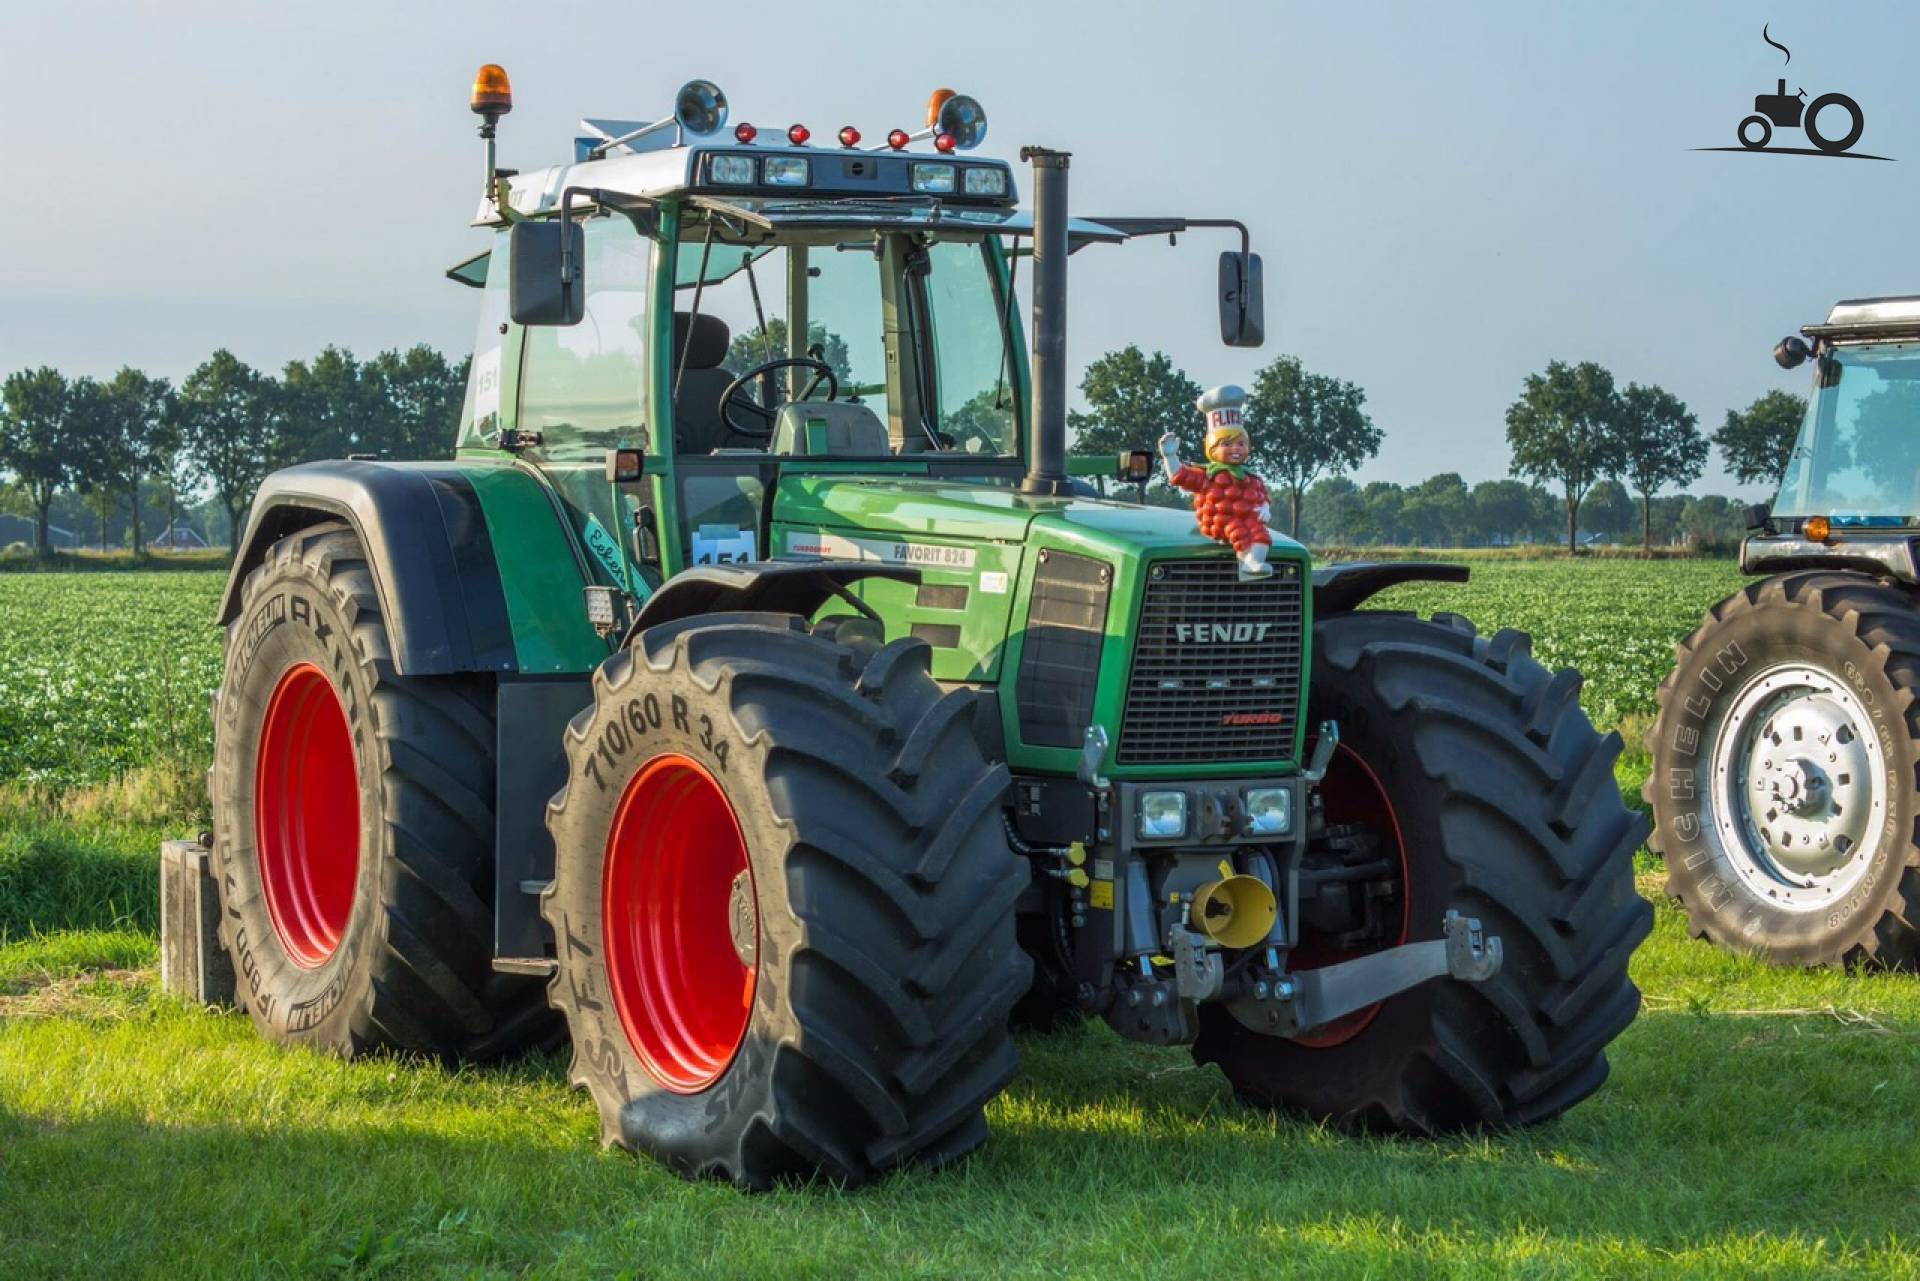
(1307, 999)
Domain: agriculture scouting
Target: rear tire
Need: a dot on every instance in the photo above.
(869, 928)
(1856, 122)
(1860, 639)
(353, 825)
(1505, 803)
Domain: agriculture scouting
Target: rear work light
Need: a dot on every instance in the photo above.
(932, 178)
(986, 182)
(735, 171)
(788, 171)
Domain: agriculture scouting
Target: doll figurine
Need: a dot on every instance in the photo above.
(1230, 501)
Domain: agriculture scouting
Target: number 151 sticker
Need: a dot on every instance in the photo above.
(724, 545)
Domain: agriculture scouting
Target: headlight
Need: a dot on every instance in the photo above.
(986, 182)
(932, 177)
(1269, 810)
(788, 171)
(1163, 815)
(734, 170)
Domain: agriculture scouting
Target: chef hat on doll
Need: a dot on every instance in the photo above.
(1222, 406)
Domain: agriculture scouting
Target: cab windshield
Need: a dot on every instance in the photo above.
(906, 331)
(1857, 459)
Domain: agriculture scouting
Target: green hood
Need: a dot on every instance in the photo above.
(995, 513)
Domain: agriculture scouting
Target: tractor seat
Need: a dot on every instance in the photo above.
(828, 429)
(702, 341)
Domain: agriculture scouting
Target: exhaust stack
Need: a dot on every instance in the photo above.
(1047, 415)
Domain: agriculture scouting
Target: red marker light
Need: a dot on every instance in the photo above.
(849, 136)
(944, 143)
(744, 132)
(898, 139)
(798, 135)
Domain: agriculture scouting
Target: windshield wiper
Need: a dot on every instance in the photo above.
(699, 284)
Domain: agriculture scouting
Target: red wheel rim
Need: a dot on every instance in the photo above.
(306, 815)
(1352, 793)
(674, 924)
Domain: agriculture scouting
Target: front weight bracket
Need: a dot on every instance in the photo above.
(1307, 999)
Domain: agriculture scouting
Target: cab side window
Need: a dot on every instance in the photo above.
(583, 387)
(480, 413)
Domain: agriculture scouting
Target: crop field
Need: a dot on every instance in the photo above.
(103, 673)
(1757, 1123)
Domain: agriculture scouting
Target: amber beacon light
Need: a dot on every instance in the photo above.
(492, 98)
(492, 92)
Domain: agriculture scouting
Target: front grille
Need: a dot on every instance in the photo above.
(1216, 666)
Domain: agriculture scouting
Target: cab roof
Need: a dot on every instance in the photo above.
(834, 174)
(1861, 319)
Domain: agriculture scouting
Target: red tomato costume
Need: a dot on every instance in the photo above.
(1231, 502)
(1227, 500)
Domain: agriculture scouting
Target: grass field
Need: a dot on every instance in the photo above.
(1757, 1123)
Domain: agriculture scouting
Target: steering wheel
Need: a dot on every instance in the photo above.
(732, 398)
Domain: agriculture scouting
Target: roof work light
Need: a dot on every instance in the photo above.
(699, 109)
(955, 122)
(959, 116)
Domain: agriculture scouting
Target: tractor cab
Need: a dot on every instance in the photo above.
(714, 309)
(1850, 495)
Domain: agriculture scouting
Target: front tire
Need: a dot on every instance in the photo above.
(1788, 730)
(796, 956)
(1483, 775)
(353, 825)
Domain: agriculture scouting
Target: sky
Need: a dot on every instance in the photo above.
(1445, 197)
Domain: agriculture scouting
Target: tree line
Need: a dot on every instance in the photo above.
(1571, 428)
(1445, 511)
(220, 432)
(113, 444)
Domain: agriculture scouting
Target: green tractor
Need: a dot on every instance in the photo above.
(761, 688)
(1786, 779)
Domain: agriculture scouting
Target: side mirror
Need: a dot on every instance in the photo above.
(1134, 466)
(1243, 313)
(547, 284)
(1758, 514)
(1791, 352)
